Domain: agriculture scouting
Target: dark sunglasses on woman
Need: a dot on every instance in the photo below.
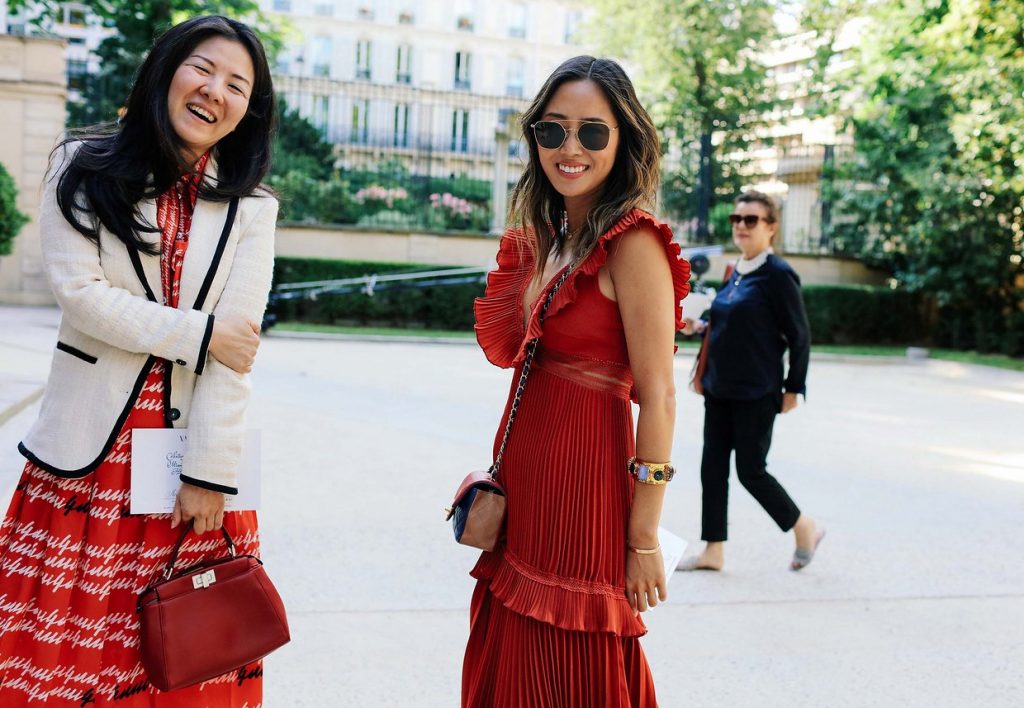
(749, 220)
(591, 136)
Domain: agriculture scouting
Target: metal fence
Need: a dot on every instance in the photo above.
(798, 177)
(409, 157)
(431, 131)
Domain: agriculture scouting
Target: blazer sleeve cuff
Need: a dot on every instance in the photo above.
(204, 346)
(212, 486)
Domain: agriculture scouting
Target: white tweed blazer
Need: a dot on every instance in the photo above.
(114, 327)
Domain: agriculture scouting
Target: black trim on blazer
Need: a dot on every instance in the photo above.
(204, 347)
(76, 474)
(133, 253)
(168, 369)
(76, 352)
(218, 254)
(208, 485)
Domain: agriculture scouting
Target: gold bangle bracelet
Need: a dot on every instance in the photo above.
(645, 551)
(650, 472)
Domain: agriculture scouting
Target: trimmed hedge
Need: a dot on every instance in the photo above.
(839, 314)
(865, 314)
(437, 307)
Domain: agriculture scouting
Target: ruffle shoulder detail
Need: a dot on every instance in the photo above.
(567, 603)
(498, 314)
(635, 220)
(499, 329)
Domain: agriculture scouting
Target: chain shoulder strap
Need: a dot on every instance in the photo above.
(531, 349)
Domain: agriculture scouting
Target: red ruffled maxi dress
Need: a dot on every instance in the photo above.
(549, 624)
(72, 560)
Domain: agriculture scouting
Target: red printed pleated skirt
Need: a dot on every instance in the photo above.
(72, 562)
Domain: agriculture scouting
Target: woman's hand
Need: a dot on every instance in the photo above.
(789, 402)
(203, 507)
(692, 326)
(234, 343)
(645, 580)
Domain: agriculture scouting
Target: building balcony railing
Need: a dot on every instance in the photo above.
(438, 97)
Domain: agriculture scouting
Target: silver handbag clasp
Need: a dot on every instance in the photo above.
(204, 580)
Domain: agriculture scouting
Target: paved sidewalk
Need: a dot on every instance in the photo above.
(915, 600)
(27, 338)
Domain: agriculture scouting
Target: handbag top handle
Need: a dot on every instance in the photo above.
(169, 568)
(527, 361)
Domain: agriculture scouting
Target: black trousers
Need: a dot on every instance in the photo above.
(746, 427)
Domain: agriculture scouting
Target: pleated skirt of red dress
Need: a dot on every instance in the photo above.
(525, 663)
(550, 626)
(72, 562)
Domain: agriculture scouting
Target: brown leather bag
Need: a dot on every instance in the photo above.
(212, 618)
(700, 366)
(478, 511)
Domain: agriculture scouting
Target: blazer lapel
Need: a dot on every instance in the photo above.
(206, 243)
(203, 252)
(147, 268)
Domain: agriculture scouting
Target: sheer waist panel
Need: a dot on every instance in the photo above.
(607, 376)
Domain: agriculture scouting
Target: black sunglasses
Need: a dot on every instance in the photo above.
(591, 136)
(749, 220)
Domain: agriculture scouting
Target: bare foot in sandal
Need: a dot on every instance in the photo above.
(808, 535)
(713, 558)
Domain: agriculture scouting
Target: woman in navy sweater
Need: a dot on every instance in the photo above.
(756, 316)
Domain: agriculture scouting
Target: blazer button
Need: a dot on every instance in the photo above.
(174, 414)
(180, 362)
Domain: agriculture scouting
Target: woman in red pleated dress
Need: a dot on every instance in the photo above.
(555, 617)
(158, 242)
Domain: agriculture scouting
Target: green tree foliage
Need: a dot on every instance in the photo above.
(11, 219)
(299, 146)
(934, 191)
(136, 25)
(697, 70)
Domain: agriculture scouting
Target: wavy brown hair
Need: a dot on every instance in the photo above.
(535, 205)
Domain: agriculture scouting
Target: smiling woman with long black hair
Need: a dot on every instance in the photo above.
(158, 242)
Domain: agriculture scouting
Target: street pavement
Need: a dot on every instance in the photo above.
(915, 599)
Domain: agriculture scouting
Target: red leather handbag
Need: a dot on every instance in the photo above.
(207, 620)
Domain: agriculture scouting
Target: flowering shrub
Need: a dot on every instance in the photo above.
(450, 212)
(382, 197)
(378, 200)
(453, 204)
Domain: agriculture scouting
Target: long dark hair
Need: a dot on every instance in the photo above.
(140, 157)
(633, 181)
